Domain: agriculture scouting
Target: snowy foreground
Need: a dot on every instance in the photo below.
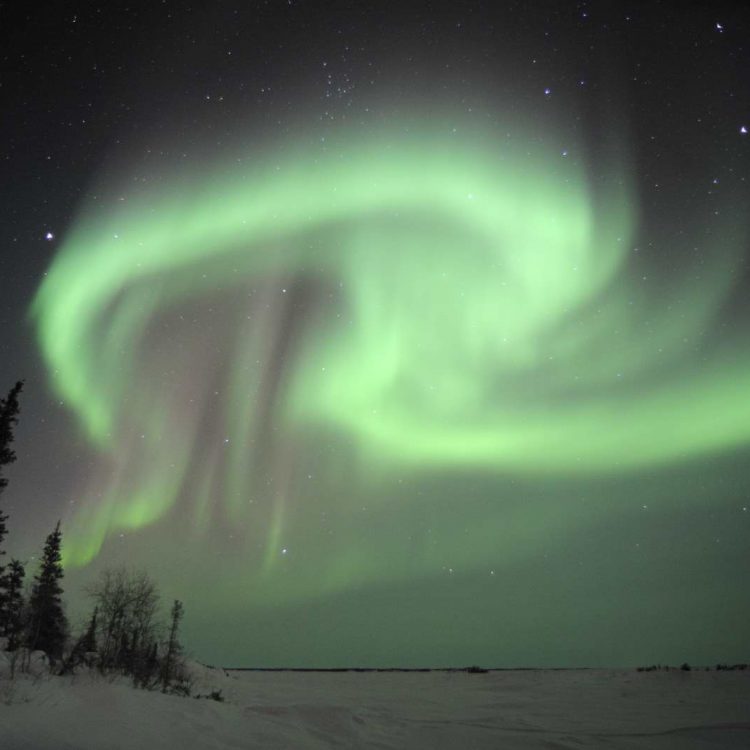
(456, 710)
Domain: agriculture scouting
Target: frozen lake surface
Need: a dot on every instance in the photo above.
(433, 710)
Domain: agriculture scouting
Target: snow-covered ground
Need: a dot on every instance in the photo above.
(509, 709)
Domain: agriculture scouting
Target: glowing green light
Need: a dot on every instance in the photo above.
(472, 308)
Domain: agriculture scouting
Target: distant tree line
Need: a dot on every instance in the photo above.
(122, 634)
(685, 667)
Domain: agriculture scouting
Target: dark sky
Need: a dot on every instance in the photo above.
(387, 333)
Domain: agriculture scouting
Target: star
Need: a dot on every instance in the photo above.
(49, 236)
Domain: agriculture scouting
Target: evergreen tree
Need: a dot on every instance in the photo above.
(47, 623)
(3, 532)
(11, 624)
(174, 649)
(8, 419)
(88, 639)
(146, 667)
(85, 644)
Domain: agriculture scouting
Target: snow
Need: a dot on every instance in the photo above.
(435, 710)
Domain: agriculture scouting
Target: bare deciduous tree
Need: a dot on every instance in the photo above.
(127, 603)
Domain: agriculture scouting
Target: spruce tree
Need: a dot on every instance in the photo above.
(3, 532)
(147, 674)
(85, 644)
(88, 639)
(8, 419)
(12, 623)
(47, 623)
(174, 649)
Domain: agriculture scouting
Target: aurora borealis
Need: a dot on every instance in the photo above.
(406, 367)
(480, 319)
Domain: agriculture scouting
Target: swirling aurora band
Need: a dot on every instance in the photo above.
(473, 308)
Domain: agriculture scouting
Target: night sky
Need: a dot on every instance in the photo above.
(387, 333)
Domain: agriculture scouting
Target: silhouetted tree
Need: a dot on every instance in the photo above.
(85, 644)
(47, 623)
(8, 419)
(123, 632)
(146, 666)
(88, 639)
(11, 616)
(174, 649)
(127, 603)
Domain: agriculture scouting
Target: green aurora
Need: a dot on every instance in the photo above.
(331, 324)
